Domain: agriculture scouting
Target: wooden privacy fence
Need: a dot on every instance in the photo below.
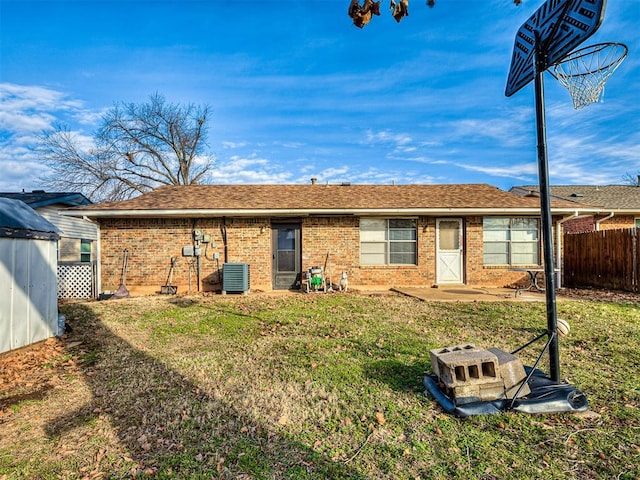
(604, 259)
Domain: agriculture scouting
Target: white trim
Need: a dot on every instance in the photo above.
(308, 212)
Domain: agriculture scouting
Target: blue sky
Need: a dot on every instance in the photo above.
(297, 91)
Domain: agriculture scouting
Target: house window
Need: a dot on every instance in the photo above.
(85, 250)
(388, 241)
(511, 241)
(636, 222)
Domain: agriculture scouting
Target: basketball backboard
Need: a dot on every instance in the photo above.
(561, 26)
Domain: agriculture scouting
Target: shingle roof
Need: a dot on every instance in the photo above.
(608, 197)
(40, 198)
(230, 198)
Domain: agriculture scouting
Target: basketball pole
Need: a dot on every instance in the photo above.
(545, 211)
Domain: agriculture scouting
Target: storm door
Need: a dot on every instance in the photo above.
(286, 256)
(449, 250)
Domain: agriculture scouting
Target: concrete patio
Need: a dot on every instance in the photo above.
(465, 293)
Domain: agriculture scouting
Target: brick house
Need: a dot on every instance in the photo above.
(381, 235)
(612, 206)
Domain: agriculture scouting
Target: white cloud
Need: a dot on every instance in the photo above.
(519, 171)
(89, 117)
(333, 173)
(28, 108)
(24, 121)
(25, 112)
(32, 96)
(370, 175)
(293, 145)
(239, 170)
(32, 108)
(227, 144)
(386, 137)
(202, 160)
(20, 170)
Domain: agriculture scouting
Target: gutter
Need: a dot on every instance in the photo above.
(598, 222)
(305, 212)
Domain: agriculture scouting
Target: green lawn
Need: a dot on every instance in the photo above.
(318, 386)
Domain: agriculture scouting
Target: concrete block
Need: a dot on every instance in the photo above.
(512, 372)
(470, 374)
(436, 353)
(476, 392)
(492, 391)
(467, 367)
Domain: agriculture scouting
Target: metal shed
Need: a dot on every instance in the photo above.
(28, 276)
(79, 243)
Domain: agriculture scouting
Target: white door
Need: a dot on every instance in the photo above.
(449, 250)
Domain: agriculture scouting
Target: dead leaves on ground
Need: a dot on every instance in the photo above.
(29, 373)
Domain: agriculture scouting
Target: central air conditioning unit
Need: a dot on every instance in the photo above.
(235, 278)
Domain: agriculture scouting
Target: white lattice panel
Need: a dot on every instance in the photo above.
(75, 280)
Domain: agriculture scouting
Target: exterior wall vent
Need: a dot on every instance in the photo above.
(235, 278)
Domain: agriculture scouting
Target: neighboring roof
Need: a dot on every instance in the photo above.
(40, 198)
(607, 197)
(319, 199)
(18, 220)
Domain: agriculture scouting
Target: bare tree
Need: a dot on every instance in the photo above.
(631, 179)
(138, 147)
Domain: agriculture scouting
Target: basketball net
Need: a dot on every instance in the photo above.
(584, 72)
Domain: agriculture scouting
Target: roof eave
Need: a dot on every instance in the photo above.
(619, 211)
(168, 213)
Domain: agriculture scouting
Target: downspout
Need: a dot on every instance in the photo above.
(560, 250)
(196, 251)
(223, 229)
(598, 222)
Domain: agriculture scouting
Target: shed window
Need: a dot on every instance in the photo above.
(511, 241)
(388, 241)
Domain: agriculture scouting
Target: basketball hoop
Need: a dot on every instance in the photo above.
(585, 71)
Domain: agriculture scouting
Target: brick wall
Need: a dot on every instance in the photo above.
(588, 224)
(152, 243)
(477, 272)
(337, 236)
(490, 275)
(616, 222)
(340, 237)
(579, 225)
(249, 241)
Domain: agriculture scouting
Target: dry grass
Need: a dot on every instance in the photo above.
(313, 386)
